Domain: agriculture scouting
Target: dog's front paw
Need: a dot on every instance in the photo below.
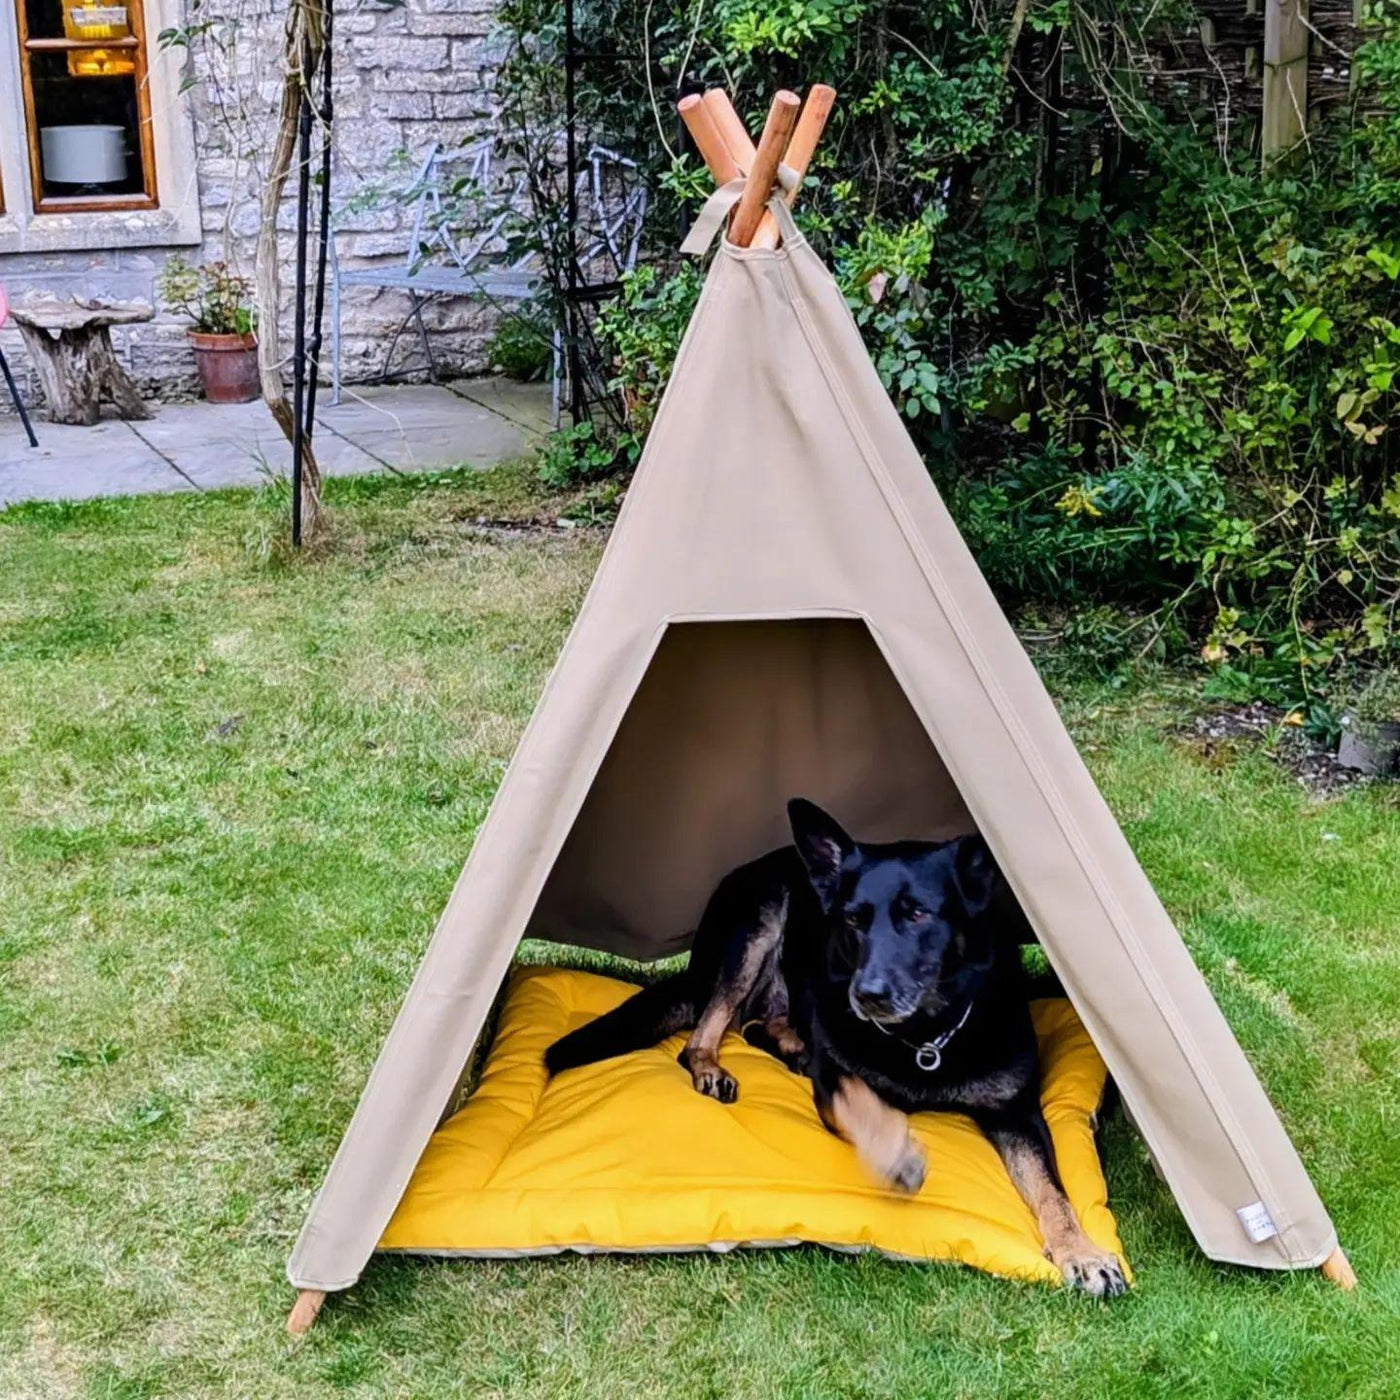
(907, 1171)
(709, 1079)
(1092, 1271)
(717, 1084)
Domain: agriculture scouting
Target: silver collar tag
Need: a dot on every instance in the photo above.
(929, 1056)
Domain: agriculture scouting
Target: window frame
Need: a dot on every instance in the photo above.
(176, 222)
(136, 46)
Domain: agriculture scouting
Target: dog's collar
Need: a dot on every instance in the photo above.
(928, 1054)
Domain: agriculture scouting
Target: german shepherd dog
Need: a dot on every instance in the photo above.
(880, 972)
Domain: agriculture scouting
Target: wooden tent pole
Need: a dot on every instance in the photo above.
(725, 122)
(708, 141)
(736, 136)
(731, 128)
(304, 1311)
(1336, 1268)
(805, 135)
(782, 117)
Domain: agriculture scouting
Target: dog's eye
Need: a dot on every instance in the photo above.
(855, 919)
(915, 913)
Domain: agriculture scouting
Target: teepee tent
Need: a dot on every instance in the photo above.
(786, 607)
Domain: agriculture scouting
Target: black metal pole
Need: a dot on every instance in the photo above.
(324, 229)
(578, 400)
(299, 341)
(19, 402)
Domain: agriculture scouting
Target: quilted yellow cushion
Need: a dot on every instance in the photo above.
(625, 1155)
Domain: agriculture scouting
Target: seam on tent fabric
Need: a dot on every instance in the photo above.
(772, 615)
(1249, 1160)
(1117, 919)
(714, 289)
(311, 1228)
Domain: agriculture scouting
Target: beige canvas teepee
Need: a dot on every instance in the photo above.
(786, 607)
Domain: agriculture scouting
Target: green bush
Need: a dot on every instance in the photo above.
(1144, 371)
(643, 330)
(521, 347)
(1378, 702)
(573, 456)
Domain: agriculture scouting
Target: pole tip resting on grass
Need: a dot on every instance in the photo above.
(304, 1311)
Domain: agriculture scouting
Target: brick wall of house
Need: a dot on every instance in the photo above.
(405, 78)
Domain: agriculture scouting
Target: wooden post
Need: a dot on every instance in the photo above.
(1336, 1268)
(805, 135)
(1285, 114)
(304, 1311)
(735, 135)
(782, 117)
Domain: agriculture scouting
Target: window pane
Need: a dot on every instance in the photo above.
(84, 20)
(89, 128)
(45, 18)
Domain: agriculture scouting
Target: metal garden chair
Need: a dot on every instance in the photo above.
(479, 263)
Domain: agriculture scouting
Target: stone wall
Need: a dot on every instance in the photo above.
(405, 78)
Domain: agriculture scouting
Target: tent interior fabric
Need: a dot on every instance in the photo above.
(731, 720)
(786, 608)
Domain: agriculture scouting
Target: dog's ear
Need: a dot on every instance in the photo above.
(822, 844)
(975, 871)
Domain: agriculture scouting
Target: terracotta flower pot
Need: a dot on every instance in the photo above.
(228, 366)
(1370, 747)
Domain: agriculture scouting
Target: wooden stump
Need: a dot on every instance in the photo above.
(70, 345)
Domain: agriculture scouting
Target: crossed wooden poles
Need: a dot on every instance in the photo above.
(787, 138)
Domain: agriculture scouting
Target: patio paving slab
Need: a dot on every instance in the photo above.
(526, 404)
(70, 461)
(202, 446)
(240, 445)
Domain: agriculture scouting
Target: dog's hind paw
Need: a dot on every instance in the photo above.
(1093, 1272)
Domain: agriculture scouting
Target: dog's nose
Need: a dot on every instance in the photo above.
(872, 993)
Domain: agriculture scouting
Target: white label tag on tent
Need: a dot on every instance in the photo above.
(1258, 1223)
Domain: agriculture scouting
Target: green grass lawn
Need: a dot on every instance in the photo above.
(234, 794)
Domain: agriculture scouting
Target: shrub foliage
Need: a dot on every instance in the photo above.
(1140, 366)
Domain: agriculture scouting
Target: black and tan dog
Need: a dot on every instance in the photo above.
(880, 972)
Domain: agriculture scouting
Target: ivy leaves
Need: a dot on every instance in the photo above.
(1306, 323)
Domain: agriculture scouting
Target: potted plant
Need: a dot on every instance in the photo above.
(219, 302)
(1371, 727)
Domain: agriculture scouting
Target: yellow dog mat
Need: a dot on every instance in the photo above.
(625, 1155)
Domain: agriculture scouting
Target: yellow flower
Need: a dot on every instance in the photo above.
(1078, 500)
